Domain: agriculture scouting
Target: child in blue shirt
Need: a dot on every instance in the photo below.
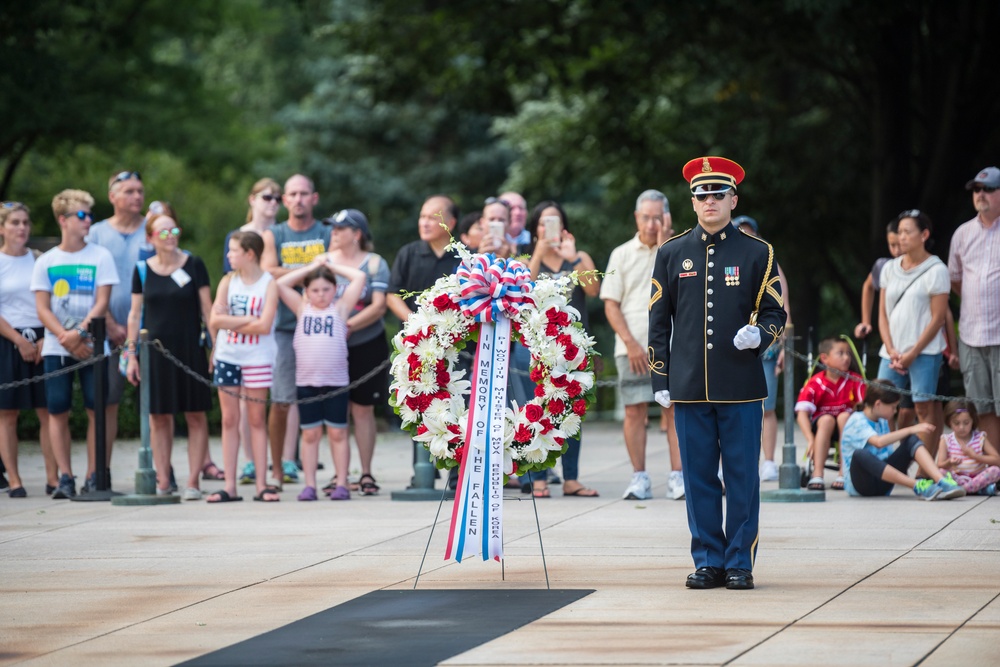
(872, 468)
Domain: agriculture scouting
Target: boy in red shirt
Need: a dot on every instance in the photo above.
(825, 404)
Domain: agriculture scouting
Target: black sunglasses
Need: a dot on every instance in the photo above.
(495, 200)
(718, 196)
(125, 175)
(270, 198)
(982, 188)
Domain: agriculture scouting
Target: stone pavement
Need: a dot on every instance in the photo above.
(890, 581)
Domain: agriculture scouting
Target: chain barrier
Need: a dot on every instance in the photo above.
(903, 392)
(158, 346)
(89, 361)
(611, 382)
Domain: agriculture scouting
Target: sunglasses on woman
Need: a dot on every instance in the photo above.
(166, 233)
(271, 198)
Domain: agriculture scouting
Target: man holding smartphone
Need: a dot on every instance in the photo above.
(625, 292)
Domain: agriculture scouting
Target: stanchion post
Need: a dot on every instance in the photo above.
(145, 476)
(98, 332)
(424, 473)
(789, 473)
(101, 490)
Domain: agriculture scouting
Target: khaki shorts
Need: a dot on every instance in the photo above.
(634, 388)
(981, 374)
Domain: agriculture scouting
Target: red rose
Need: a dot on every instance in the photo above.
(443, 378)
(533, 412)
(546, 424)
(571, 352)
(539, 391)
(580, 407)
(443, 302)
(574, 389)
(556, 407)
(560, 381)
(537, 374)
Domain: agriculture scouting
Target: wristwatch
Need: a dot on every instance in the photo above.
(84, 334)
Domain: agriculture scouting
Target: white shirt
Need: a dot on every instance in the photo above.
(17, 301)
(629, 281)
(908, 306)
(72, 278)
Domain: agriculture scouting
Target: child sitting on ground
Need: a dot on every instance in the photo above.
(967, 452)
(824, 405)
(872, 470)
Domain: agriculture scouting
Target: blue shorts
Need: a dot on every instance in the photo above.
(59, 389)
(921, 378)
(771, 402)
(331, 411)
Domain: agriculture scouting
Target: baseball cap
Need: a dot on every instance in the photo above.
(353, 218)
(989, 177)
(747, 220)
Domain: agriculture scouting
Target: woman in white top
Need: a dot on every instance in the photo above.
(242, 325)
(21, 337)
(912, 309)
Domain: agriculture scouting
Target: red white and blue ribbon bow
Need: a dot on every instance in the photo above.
(492, 287)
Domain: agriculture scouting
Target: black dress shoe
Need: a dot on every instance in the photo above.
(738, 579)
(707, 577)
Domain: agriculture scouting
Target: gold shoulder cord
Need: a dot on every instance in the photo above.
(763, 285)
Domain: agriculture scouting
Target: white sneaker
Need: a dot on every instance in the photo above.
(675, 485)
(769, 471)
(640, 488)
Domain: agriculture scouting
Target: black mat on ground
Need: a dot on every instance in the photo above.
(404, 628)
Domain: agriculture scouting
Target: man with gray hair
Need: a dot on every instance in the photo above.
(625, 292)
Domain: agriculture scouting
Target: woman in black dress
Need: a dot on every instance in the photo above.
(171, 297)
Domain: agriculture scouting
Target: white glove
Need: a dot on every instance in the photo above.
(747, 338)
(663, 398)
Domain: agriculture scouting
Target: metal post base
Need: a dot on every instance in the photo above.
(95, 496)
(792, 496)
(139, 499)
(422, 494)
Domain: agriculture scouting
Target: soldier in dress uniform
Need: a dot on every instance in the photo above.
(715, 307)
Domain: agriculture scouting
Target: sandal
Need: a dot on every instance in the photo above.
(222, 497)
(581, 492)
(210, 471)
(838, 484)
(368, 486)
(268, 495)
(816, 484)
(541, 493)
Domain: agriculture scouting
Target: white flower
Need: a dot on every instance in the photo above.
(570, 424)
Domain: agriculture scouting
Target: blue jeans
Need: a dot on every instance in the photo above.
(921, 377)
(59, 389)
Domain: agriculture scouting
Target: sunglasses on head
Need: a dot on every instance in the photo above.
(912, 213)
(982, 188)
(718, 196)
(125, 175)
(11, 204)
(495, 200)
(166, 233)
(271, 198)
(157, 207)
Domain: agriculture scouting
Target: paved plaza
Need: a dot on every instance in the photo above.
(891, 581)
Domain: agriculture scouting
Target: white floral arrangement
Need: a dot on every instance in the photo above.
(431, 396)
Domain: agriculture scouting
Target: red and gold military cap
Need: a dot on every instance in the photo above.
(705, 172)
